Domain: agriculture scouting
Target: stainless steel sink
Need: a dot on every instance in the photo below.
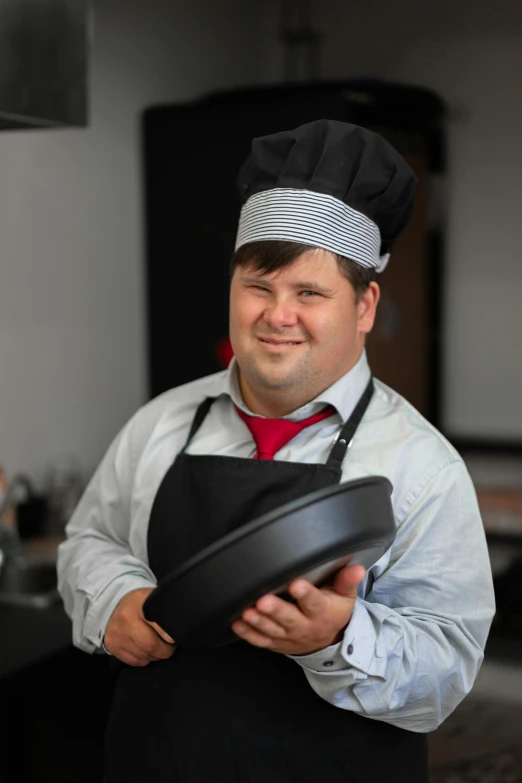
(29, 580)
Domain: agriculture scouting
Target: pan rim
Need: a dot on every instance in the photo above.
(249, 527)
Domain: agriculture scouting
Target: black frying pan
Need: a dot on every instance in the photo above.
(312, 537)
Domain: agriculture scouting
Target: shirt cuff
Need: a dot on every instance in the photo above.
(356, 650)
(106, 602)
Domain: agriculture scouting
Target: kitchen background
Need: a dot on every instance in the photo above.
(74, 337)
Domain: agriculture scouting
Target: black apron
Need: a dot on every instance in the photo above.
(237, 713)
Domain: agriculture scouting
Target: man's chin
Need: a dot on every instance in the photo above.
(279, 374)
(276, 380)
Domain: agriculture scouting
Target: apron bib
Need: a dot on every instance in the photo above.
(240, 714)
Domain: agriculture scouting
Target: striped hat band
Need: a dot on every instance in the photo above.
(311, 218)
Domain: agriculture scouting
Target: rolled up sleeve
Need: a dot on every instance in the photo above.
(415, 642)
(96, 566)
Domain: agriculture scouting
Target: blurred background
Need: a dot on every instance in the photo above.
(122, 125)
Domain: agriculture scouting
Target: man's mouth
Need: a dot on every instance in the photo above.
(278, 342)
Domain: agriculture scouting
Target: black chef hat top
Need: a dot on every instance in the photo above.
(328, 184)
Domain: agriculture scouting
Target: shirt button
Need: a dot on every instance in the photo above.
(349, 649)
(328, 663)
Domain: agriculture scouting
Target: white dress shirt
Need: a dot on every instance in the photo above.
(415, 642)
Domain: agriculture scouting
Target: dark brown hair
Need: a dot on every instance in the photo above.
(269, 256)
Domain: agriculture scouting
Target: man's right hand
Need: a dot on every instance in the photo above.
(131, 638)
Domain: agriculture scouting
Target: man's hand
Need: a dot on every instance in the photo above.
(315, 622)
(131, 638)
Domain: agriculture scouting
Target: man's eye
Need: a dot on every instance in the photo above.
(309, 293)
(259, 288)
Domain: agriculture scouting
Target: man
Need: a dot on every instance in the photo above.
(344, 682)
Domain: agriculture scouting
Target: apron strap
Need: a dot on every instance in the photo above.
(198, 419)
(346, 435)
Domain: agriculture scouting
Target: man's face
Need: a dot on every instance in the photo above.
(296, 331)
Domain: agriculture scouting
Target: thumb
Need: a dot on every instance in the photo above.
(159, 630)
(347, 580)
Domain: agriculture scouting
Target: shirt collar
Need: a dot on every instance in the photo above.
(344, 394)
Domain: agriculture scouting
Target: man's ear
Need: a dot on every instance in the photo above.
(367, 308)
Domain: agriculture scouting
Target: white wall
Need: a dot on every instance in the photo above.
(470, 53)
(72, 321)
(480, 76)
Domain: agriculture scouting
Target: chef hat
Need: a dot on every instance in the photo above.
(327, 184)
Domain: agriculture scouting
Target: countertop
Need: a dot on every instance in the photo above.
(28, 635)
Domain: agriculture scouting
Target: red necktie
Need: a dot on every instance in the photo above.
(270, 435)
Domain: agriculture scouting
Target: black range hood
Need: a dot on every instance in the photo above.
(43, 63)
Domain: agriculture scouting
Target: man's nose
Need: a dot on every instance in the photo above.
(281, 313)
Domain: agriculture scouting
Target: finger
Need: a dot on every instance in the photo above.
(131, 660)
(149, 643)
(248, 634)
(281, 612)
(263, 624)
(136, 651)
(159, 630)
(155, 655)
(310, 600)
(347, 580)
(119, 643)
(160, 652)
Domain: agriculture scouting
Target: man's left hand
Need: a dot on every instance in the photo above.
(314, 622)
